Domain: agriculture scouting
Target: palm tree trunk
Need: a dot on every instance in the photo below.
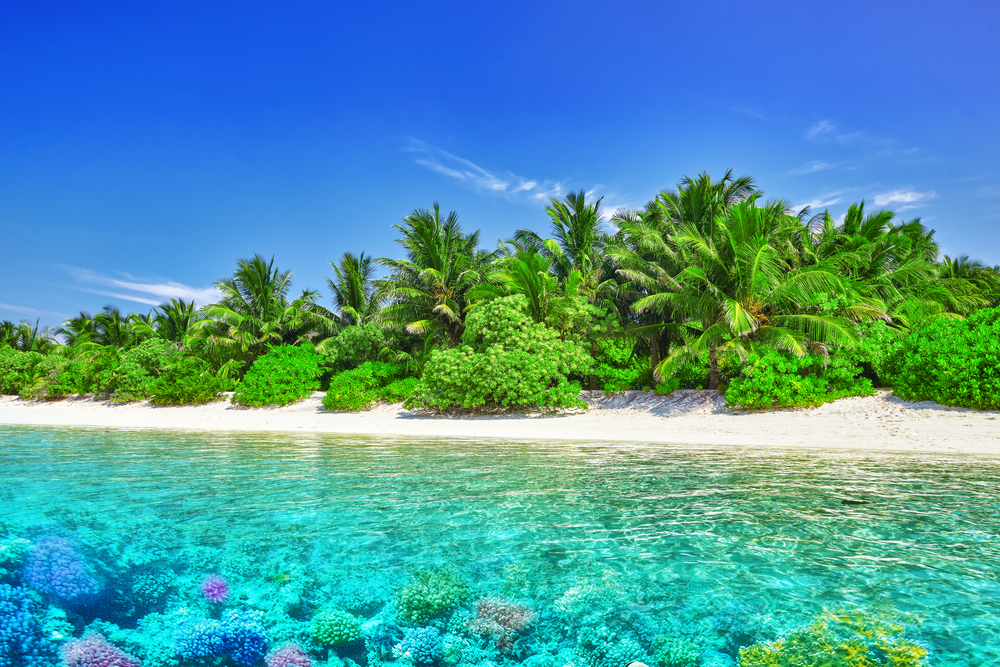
(593, 383)
(654, 349)
(713, 374)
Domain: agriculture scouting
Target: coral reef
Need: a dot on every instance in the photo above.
(215, 589)
(500, 620)
(335, 626)
(55, 568)
(432, 592)
(675, 652)
(288, 655)
(22, 642)
(422, 646)
(244, 637)
(94, 651)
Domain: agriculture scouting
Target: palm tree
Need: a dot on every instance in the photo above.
(173, 320)
(356, 296)
(740, 290)
(78, 330)
(429, 290)
(254, 313)
(578, 242)
(530, 275)
(28, 337)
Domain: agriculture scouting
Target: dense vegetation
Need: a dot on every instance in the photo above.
(707, 286)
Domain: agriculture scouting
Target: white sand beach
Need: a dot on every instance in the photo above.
(880, 422)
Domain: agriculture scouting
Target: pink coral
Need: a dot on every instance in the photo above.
(215, 589)
(500, 620)
(289, 655)
(94, 651)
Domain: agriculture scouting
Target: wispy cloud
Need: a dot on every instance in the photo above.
(29, 311)
(821, 202)
(988, 191)
(749, 111)
(810, 168)
(910, 198)
(470, 174)
(138, 290)
(820, 129)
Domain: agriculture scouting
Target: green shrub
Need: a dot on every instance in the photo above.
(953, 362)
(282, 376)
(399, 391)
(353, 346)
(187, 381)
(780, 379)
(53, 377)
(358, 389)
(616, 367)
(136, 373)
(506, 359)
(15, 369)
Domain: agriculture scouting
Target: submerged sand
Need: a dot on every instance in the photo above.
(880, 422)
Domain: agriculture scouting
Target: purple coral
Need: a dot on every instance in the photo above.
(94, 651)
(55, 568)
(215, 589)
(289, 655)
(22, 642)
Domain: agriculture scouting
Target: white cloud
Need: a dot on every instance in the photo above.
(810, 168)
(819, 129)
(476, 178)
(135, 289)
(821, 202)
(28, 311)
(903, 197)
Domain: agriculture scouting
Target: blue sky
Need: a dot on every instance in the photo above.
(144, 147)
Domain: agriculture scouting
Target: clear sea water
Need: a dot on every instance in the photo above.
(613, 548)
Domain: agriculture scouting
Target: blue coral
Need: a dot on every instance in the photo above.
(422, 645)
(240, 635)
(245, 639)
(22, 642)
(200, 638)
(55, 568)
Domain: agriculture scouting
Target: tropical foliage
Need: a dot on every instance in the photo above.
(708, 285)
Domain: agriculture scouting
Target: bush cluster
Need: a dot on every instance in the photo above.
(187, 381)
(777, 379)
(506, 359)
(954, 362)
(283, 376)
(616, 366)
(360, 388)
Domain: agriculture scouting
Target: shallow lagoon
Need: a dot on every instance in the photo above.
(614, 549)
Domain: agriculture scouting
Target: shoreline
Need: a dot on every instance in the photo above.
(877, 423)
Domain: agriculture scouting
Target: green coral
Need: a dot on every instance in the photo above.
(430, 593)
(675, 651)
(839, 639)
(12, 553)
(335, 626)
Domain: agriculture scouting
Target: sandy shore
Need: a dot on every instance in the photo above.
(880, 422)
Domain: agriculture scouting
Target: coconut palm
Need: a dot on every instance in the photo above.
(529, 274)
(28, 337)
(740, 291)
(356, 296)
(173, 319)
(255, 313)
(429, 290)
(578, 243)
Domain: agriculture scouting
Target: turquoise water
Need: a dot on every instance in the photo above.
(615, 552)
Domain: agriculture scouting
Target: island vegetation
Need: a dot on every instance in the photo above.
(709, 286)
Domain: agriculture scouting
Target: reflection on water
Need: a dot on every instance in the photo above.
(717, 547)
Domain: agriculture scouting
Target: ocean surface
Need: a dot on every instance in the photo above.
(289, 550)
